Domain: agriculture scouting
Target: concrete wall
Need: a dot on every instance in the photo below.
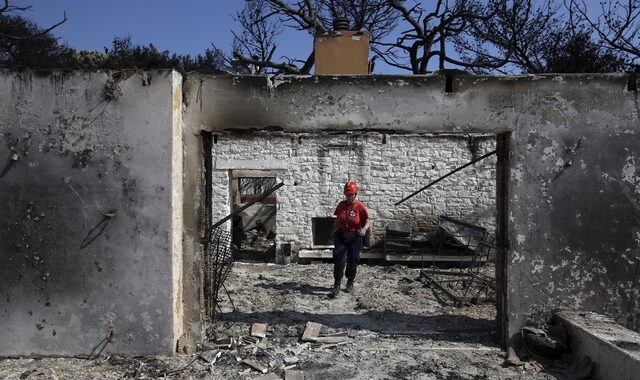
(68, 273)
(575, 200)
(573, 217)
(388, 167)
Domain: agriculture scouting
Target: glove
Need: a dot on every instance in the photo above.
(362, 232)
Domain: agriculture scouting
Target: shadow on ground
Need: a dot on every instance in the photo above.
(452, 328)
(296, 287)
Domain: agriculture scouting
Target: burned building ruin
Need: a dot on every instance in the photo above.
(109, 182)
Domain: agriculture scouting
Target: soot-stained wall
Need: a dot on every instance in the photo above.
(575, 202)
(90, 234)
(573, 183)
(93, 233)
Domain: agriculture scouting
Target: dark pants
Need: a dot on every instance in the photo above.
(346, 253)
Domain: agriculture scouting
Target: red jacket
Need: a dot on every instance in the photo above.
(351, 215)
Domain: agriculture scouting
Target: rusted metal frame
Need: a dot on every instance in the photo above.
(445, 176)
(445, 273)
(444, 290)
(477, 256)
(221, 256)
(449, 280)
(490, 282)
(467, 276)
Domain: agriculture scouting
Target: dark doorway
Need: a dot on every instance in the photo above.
(502, 235)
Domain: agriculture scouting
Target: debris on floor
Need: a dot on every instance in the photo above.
(394, 327)
(311, 332)
(255, 365)
(259, 330)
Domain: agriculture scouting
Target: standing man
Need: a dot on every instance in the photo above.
(350, 228)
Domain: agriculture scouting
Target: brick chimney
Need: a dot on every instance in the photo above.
(342, 51)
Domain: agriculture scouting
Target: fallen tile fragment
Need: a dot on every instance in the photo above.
(297, 350)
(223, 343)
(332, 345)
(210, 356)
(311, 332)
(333, 339)
(293, 374)
(250, 340)
(259, 330)
(255, 365)
(291, 360)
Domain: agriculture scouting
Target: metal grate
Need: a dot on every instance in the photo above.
(469, 283)
(220, 258)
(460, 233)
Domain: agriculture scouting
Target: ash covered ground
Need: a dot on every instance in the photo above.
(392, 327)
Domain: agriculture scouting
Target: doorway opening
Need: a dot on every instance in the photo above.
(254, 228)
(389, 167)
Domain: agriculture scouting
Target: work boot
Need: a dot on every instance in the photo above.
(335, 290)
(349, 287)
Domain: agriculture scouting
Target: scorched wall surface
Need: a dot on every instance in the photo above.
(573, 220)
(87, 235)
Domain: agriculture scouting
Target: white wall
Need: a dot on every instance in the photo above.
(314, 167)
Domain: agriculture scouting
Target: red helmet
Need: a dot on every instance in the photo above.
(350, 188)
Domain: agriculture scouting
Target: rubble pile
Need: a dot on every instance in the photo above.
(258, 240)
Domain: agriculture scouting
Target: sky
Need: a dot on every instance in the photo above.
(182, 27)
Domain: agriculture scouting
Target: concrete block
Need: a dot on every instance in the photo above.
(289, 360)
(614, 349)
(259, 330)
(311, 332)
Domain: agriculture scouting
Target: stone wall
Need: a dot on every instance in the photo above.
(388, 167)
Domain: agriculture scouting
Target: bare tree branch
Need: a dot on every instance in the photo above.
(256, 42)
(617, 27)
(9, 8)
(432, 32)
(283, 67)
(260, 20)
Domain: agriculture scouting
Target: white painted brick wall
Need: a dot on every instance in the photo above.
(318, 165)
